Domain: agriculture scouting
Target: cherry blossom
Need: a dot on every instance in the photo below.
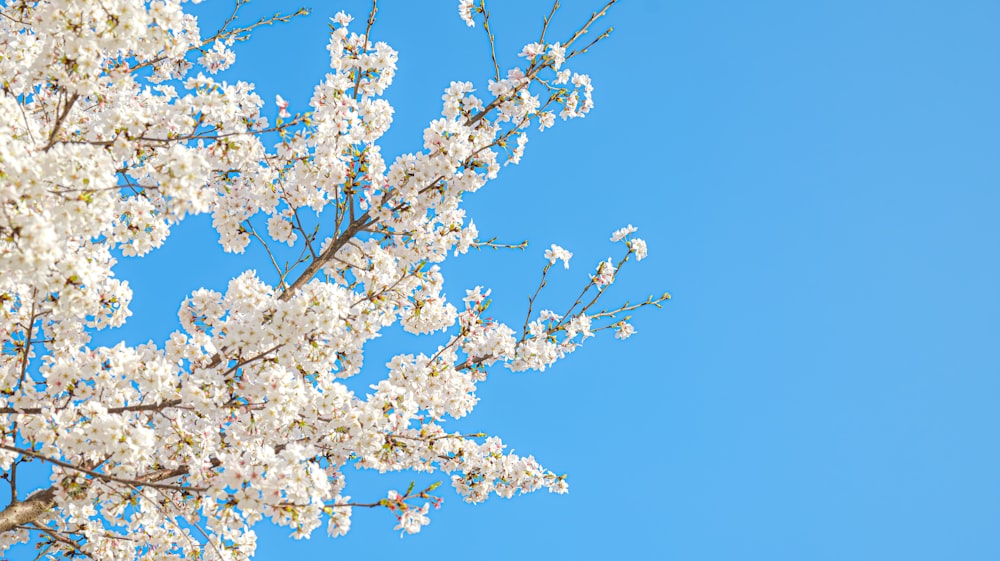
(282, 107)
(624, 330)
(119, 129)
(465, 12)
(621, 233)
(556, 253)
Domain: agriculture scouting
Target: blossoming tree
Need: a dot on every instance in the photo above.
(112, 134)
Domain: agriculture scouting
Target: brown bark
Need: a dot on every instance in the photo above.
(22, 512)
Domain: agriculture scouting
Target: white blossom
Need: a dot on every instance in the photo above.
(638, 245)
(465, 12)
(605, 274)
(624, 330)
(556, 253)
(123, 131)
(620, 233)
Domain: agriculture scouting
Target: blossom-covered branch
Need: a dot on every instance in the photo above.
(119, 133)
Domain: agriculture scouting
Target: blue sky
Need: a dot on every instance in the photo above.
(817, 183)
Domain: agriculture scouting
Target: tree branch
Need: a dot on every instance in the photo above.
(28, 510)
(59, 121)
(360, 223)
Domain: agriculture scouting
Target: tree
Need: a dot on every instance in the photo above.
(113, 135)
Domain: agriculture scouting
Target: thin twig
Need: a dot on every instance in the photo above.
(267, 248)
(492, 244)
(489, 35)
(97, 474)
(586, 27)
(27, 341)
(52, 534)
(364, 48)
(277, 18)
(547, 20)
(531, 302)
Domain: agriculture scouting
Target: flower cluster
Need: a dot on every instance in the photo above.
(118, 132)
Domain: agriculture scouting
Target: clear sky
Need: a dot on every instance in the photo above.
(818, 186)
